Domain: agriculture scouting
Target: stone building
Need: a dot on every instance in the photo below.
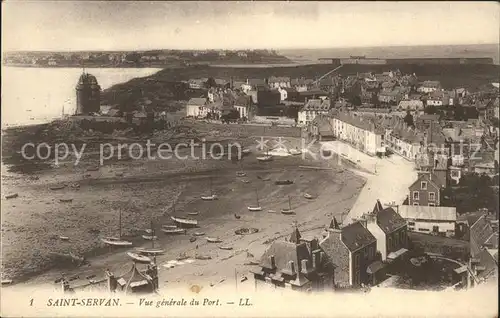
(88, 94)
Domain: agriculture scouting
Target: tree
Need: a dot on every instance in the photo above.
(409, 119)
(210, 83)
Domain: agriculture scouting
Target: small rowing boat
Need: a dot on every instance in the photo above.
(199, 233)
(214, 240)
(115, 241)
(283, 182)
(240, 174)
(254, 208)
(11, 196)
(287, 211)
(64, 238)
(173, 230)
(184, 221)
(308, 196)
(227, 248)
(209, 198)
(6, 281)
(193, 213)
(58, 187)
(150, 251)
(294, 152)
(150, 237)
(139, 258)
(65, 200)
(246, 151)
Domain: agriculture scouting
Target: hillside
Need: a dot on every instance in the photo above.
(164, 85)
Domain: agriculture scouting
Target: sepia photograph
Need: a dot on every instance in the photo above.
(249, 159)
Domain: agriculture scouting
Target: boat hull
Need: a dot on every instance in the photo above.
(254, 208)
(185, 222)
(152, 251)
(115, 242)
(139, 258)
(287, 212)
(150, 237)
(213, 240)
(264, 159)
(173, 231)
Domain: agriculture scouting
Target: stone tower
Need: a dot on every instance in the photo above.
(88, 94)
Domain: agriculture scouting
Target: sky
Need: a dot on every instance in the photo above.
(81, 25)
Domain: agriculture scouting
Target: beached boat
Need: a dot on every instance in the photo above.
(294, 152)
(289, 210)
(199, 233)
(265, 158)
(240, 174)
(150, 237)
(256, 207)
(214, 240)
(65, 200)
(212, 196)
(227, 248)
(148, 231)
(246, 231)
(150, 251)
(6, 281)
(283, 182)
(58, 187)
(246, 151)
(308, 196)
(139, 258)
(11, 196)
(192, 239)
(64, 238)
(203, 257)
(173, 231)
(193, 213)
(209, 198)
(184, 222)
(117, 241)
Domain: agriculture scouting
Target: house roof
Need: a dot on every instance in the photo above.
(356, 236)
(317, 104)
(283, 253)
(256, 81)
(489, 263)
(197, 101)
(480, 232)
(431, 84)
(301, 81)
(378, 207)
(442, 213)
(362, 122)
(279, 79)
(389, 221)
(430, 177)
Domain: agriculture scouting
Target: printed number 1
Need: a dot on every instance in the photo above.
(31, 302)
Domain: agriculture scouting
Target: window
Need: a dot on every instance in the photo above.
(411, 223)
(415, 203)
(432, 196)
(389, 244)
(402, 237)
(423, 185)
(423, 230)
(435, 229)
(454, 174)
(396, 240)
(432, 204)
(356, 260)
(416, 195)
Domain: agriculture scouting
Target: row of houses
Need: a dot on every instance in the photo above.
(345, 256)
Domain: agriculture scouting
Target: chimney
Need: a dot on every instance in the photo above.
(273, 262)
(304, 264)
(291, 265)
(316, 259)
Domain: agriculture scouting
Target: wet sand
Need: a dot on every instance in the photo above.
(147, 190)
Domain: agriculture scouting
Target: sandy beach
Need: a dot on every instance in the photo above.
(147, 190)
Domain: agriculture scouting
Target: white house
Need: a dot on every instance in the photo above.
(429, 86)
(437, 220)
(411, 104)
(196, 107)
(311, 109)
(360, 132)
(277, 82)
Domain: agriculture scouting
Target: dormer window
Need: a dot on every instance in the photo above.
(423, 185)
